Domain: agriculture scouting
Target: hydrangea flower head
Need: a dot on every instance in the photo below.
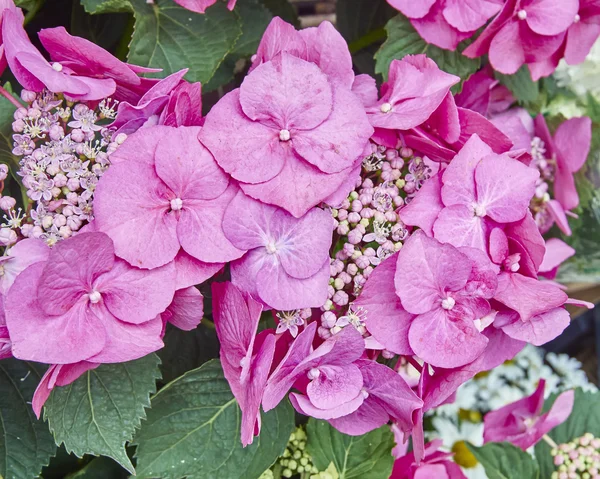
(246, 363)
(168, 196)
(289, 135)
(287, 264)
(85, 304)
(522, 422)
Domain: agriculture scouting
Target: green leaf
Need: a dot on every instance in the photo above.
(593, 108)
(99, 412)
(26, 444)
(284, 10)
(99, 468)
(505, 461)
(193, 431)
(365, 457)
(403, 39)
(521, 85)
(106, 6)
(170, 37)
(585, 417)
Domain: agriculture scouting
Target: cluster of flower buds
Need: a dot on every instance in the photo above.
(12, 218)
(295, 459)
(64, 148)
(369, 230)
(578, 459)
(540, 207)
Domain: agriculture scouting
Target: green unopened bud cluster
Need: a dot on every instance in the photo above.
(578, 459)
(295, 459)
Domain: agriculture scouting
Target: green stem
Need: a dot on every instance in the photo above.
(549, 441)
(367, 40)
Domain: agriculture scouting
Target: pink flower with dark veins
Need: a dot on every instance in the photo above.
(522, 423)
(246, 363)
(288, 135)
(84, 304)
(287, 263)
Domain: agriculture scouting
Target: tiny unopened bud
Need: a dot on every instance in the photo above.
(7, 236)
(7, 203)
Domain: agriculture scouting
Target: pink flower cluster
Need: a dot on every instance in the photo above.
(388, 225)
(536, 33)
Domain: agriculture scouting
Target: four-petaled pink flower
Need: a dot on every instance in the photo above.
(170, 196)
(522, 422)
(446, 23)
(289, 135)
(287, 264)
(478, 190)
(246, 358)
(83, 303)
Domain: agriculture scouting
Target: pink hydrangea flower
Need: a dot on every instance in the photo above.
(569, 147)
(171, 102)
(85, 58)
(17, 258)
(416, 87)
(385, 397)
(168, 196)
(246, 363)
(289, 135)
(478, 190)
(200, 6)
(525, 31)
(287, 264)
(34, 72)
(557, 252)
(584, 32)
(446, 23)
(446, 290)
(522, 423)
(83, 304)
(435, 463)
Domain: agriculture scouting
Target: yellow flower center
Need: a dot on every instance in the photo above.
(462, 456)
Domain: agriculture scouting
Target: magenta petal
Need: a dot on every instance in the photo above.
(541, 328)
(572, 140)
(36, 336)
(304, 406)
(470, 15)
(525, 237)
(550, 17)
(386, 319)
(365, 88)
(335, 385)
(126, 341)
(248, 150)
(472, 123)
(412, 9)
(425, 270)
(505, 187)
(283, 292)
(439, 340)
(189, 271)
(445, 120)
(200, 232)
(559, 411)
(186, 310)
(336, 143)
(559, 216)
(187, 167)
(580, 39)
(498, 246)
(506, 49)
(425, 206)
(134, 295)
(288, 93)
(371, 415)
(131, 205)
(66, 277)
(20, 256)
(557, 251)
(434, 29)
(279, 36)
(458, 226)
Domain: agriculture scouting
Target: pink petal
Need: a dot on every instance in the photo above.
(517, 124)
(335, 144)
(525, 238)
(459, 177)
(505, 187)
(134, 295)
(470, 15)
(541, 328)
(482, 44)
(458, 226)
(386, 319)
(189, 271)
(572, 139)
(440, 340)
(279, 36)
(304, 406)
(434, 29)
(445, 120)
(335, 385)
(126, 341)
(559, 411)
(506, 49)
(498, 246)
(245, 270)
(425, 270)
(366, 418)
(425, 206)
(565, 190)
(559, 216)
(73, 267)
(365, 88)
(411, 8)
(249, 151)
(131, 205)
(550, 17)
(187, 167)
(557, 252)
(200, 232)
(472, 123)
(527, 296)
(186, 310)
(65, 338)
(580, 39)
(287, 93)
(283, 292)
(141, 145)
(20, 256)
(198, 6)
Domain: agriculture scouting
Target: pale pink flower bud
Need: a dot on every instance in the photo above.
(387, 354)
(330, 291)
(38, 155)
(74, 223)
(37, 232)
(367, 213)
(391, 154)
(398, 201)
(306, 313)
(343, 228)
(324, 333)
(20, 114)
(391, 216)
(367, 183)
(120, 138)
(339, 266)
(354, 217)
(28, 96)
(342, 214)
(27, 230)
(367, 272)
(47, 222)
(349, 249)
(328, 319)
(56, 132)
(397, 163)
(73, 184)
(65, 232)
(72, 198)
(406, 152)
(356, 206)
(352, 269)
(379, 217)
(345, 204)
(338, 283)
(56, 191)
(3, 172)
(362, 261)
(345, 277)
(7, 236)
(60, 220)
(355, 236)
(77, 136)
(18, 126)
(7, 203)
(60, 180)
(340, 298)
